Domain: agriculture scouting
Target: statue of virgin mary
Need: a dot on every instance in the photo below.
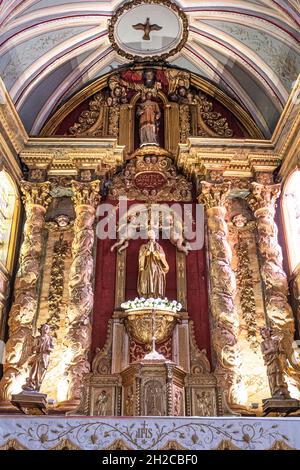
(153, 268)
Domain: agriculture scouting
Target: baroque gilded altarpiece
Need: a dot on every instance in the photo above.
(89, 153)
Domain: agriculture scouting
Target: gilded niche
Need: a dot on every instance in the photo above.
(151, 105)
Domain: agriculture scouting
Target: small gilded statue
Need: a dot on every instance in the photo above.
(272, 351)
(153, 268)
(39, 361)
(102, 403)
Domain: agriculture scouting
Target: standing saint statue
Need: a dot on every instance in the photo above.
(272, 351)
(102, 403)
(153, 268)
(149, 113)
(39, 361)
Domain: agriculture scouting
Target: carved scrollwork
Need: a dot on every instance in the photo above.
(184, 122)
(196, 108)
(210, 122)
(102, 117)
(151, 175)
(102, 361)
(199, 361)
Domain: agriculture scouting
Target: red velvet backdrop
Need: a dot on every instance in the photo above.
(105, 275)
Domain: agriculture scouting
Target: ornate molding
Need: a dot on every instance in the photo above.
(66, 157)
(233, 159)
(150, 175)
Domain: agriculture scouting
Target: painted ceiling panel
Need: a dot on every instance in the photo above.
(253, 89)
(46, 88)
(284, 60)
(248, 48)
(17, 59)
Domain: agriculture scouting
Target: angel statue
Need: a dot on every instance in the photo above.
(39, 360)
(175, 228)
(126, 232)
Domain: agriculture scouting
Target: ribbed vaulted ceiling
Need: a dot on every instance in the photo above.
(49, 49)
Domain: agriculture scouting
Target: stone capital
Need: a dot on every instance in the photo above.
(36, 194)
(86, 193)
(263, 197)
(213, 194)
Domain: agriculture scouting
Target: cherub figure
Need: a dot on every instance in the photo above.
(174, 225)
(127, 231)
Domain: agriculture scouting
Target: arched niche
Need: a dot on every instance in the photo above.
(105, 108)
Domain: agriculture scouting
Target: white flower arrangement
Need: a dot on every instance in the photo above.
(159, 304)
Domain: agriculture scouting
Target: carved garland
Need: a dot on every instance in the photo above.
(244, 277)
(60, 251)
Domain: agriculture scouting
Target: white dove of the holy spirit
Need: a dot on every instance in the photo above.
(148, 29)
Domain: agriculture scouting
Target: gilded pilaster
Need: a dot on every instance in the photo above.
(223, 290)
(36, 198)
(77, 339)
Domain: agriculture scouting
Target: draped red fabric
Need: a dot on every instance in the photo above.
(105, 276)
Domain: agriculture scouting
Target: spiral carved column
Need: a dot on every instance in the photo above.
(78, 332)
(223, 289)
(262, 201)
(36, 198)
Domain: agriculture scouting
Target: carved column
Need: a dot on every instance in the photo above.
(36, 199)
(223, 289)
(77, 339)
(262, 201)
